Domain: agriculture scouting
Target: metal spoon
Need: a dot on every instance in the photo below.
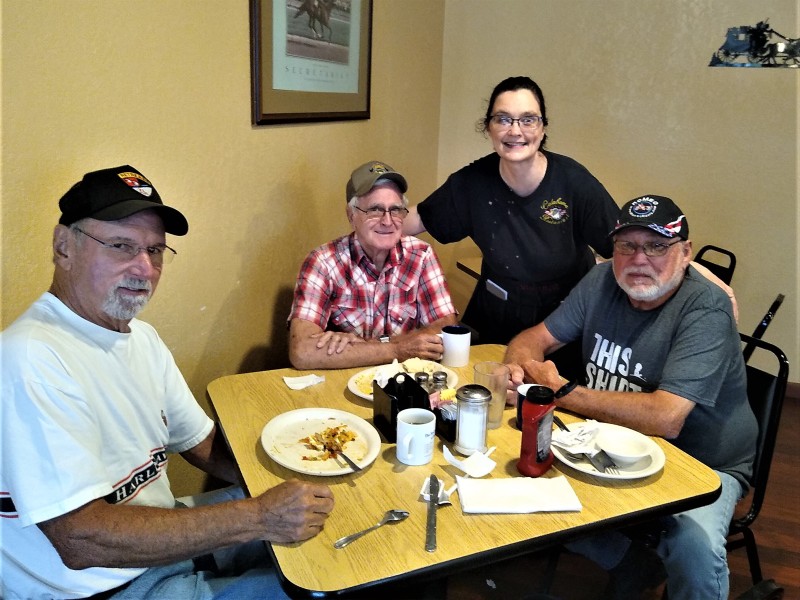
(390, 517)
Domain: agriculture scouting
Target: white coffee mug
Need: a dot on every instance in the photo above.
(456, 340)
(415, 432)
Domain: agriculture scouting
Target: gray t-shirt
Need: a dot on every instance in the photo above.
(689, 346)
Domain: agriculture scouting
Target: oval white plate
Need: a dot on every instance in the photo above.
(649, 465)
(352, 383)
(281, 440)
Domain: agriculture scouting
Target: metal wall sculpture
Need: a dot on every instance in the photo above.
(759, 46)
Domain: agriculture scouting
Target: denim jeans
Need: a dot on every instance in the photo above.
(692, 547)
(243, 572)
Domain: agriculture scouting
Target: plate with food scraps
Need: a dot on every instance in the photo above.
(361, 383)
(307, 440)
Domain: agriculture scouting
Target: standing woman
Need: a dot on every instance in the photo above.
(534, 214)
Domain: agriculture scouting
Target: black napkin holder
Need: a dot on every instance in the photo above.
(401, 392)
(445, 428)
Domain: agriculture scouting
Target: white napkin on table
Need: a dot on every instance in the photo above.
(579, 439)
(298, 383)
(517, 495)
(477, 464)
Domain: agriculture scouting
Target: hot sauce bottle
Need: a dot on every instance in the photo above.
(535, 455)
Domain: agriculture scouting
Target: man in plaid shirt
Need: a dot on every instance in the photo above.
(373, 295)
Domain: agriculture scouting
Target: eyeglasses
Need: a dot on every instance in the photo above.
(526, 122)
(397, 213)
(649, 248)
(158, 255)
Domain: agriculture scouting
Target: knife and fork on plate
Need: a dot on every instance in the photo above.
(600, 460)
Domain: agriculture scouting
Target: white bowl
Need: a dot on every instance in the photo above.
(624, 447)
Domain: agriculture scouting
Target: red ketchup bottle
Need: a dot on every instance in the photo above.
(535, 455)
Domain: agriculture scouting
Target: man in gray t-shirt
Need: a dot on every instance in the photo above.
(661, 355)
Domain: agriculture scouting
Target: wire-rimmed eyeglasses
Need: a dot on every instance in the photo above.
(649, 248)
(526, 122)
(158, 255)
(397, 213)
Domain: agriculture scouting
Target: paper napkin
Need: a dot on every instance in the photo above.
(298, 383)
(517, 495)
(579, 439)
(477, 464)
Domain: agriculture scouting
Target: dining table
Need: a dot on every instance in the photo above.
(395, 554)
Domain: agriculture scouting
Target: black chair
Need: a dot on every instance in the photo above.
(724, 269)
(762, 326)
(765, 391)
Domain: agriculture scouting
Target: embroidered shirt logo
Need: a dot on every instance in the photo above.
(554, 212)
(137, 182)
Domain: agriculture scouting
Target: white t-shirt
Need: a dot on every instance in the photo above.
(86, 413)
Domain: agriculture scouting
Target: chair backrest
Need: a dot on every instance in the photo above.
(762, 326)
(722, 270)
(765, 391)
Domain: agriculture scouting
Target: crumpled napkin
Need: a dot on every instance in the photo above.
(444, 494)
(385, 372)
(517, 495)
(299, 383)
(579, 439)
(477, 464)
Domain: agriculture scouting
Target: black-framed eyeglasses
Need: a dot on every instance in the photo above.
(397, 213)
(649, 248)
(526, 122)
(158, 255)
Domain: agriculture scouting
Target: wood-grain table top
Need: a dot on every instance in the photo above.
(313, 568)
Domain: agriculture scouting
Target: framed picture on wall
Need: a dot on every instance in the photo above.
(310, 60)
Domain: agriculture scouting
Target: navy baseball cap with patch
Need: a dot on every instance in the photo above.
(658, 213)
(113, 194)
(365, 176)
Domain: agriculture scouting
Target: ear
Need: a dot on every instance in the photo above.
(63, 246)
(350, 212)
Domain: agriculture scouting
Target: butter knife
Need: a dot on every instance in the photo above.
(433, 502)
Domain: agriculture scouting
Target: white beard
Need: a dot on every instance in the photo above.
(124, 308)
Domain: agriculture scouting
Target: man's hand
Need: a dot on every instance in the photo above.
(418, 344)
(336, 341)
(294, 510)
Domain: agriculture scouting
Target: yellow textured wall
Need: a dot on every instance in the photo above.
(629, 94)
(165, 86)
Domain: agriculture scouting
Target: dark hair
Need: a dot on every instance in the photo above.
(512, 84)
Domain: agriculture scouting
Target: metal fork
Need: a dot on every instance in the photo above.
(601, 461)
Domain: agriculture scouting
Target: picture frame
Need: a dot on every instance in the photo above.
(310, 60)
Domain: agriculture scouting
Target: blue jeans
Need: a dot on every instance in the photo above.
(244, 571)
(692, 547)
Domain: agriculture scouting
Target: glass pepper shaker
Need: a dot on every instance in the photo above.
(473, 413)
(423, 380)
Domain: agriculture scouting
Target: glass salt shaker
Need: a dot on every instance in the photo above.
(473, 413)
(439, 381)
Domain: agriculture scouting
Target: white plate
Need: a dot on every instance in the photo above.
(644, 468)
(452, 378)
(281, 440)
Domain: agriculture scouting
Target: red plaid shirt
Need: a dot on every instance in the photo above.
(340, 289)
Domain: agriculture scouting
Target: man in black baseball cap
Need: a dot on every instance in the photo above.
(93, 404)
(660, 354)
(116, 193)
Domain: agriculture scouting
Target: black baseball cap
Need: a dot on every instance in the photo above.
(364, 177)
(657, 213)
(113, 194)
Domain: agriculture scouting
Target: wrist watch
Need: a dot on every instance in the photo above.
(384, 339)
